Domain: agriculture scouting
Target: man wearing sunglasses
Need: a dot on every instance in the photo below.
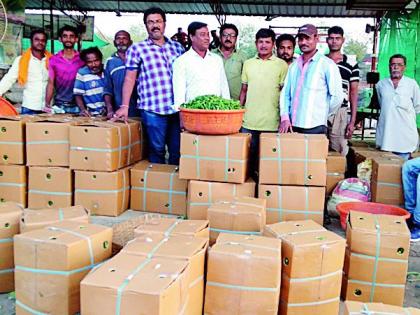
(233, 59)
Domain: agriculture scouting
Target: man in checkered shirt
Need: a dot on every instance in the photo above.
(150, 62)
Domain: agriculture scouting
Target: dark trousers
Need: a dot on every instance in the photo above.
(162, 131)
(321, 130)
(28, 111)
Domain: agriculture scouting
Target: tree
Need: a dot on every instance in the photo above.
(355, 47)
(246, 39)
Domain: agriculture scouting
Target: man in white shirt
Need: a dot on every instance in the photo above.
(30, 70)
(199, 71)
(399, 99)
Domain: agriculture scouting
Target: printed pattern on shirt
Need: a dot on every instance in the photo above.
(154, 66)
(91, 87)
(349, 73)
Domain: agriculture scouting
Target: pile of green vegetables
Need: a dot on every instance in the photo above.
(212, 102)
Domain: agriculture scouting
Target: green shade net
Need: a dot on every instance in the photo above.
(400, 34)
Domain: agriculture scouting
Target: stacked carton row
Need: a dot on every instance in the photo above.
(71, 160)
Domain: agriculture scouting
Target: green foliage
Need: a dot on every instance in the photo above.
(246, 39)
(212, 102)
(355, 47)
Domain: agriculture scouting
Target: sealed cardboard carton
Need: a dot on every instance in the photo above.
(47, 141)
(50, 187)
(285, 203)
(10, 214)
(386, 184)
(358, 308)
(358, 155)
(12, 139)
(312, 273)
(170, 226)
(38, 219)
(243, 275)
(102, 193)
(51, 262)
(237, 215)
(214, 158)
(157, 188)
(136, 285)
(336, 167)
(104, 146)
(13, 184)
(293, 159)
(201, 195)
(177, 247)
(377, 258)
(278, 230)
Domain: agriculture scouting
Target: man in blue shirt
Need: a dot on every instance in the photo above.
(89, 85)
(114, 75)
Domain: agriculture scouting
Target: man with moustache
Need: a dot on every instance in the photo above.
(30, 70)
(89, 85)
(340, 126)
(62, 72)
(199, 71)
(399, 99)
(262, 78)
(150, 61)
(114, 74)
(312, 90)
(233, 59)
(285, 44)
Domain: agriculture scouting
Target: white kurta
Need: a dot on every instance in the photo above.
(195, 76)
(397, 128)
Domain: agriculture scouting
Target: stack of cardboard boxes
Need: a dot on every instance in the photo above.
(13, 179)
(292, 176)
(336, 168)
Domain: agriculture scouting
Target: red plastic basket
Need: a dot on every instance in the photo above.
(212, 122)
(7, 109)
(369, 207)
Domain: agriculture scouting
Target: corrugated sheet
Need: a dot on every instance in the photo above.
(309, 8)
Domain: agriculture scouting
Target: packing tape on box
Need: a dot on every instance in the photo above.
(197, 157)
(377, 253)
(306, 279)
(6, 240)
(306, 160)
(382, 285)
(336, 174)
(4, 271)
(29, 309)
(241, 287)
(337, 299)
(60, 214)
(249, 245)
(387, 184)
(11, 143)
(48, 142)
(49, 193)
(279, 236)
(395, 260)
(365, 311)
(281, 210)
(210, 196)
(235, 232)
(12, 185)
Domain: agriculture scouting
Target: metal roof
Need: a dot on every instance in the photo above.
(273, 8)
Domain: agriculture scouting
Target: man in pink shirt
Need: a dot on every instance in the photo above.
(62, 70)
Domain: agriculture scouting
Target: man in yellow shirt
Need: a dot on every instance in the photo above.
(262, 79)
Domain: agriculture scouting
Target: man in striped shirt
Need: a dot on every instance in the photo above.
(312, 90)
(89, 85)
(340, 127)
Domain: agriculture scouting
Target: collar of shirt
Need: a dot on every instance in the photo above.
(150, 42)
(60, 54)
(315, 57)
(193, 53)
(272, 57)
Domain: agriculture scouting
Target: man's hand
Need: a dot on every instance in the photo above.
(349, 130)
(85, 113)
(121, 113)
(109, 114)
(285, 126)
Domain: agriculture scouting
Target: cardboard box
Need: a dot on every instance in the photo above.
(170, 226)
(386, 184)
(358, 308)
(243, 275)
(377, 258)
(201, 195)
(47, 141)
(39, 219)
(293, 159)
(214, 158)
(358, 155)
(12, 139)
(157, 188)
(10, 214)
(237, 215)
(13, 184)
(278, 230)
(177, 247)
(312, 273)
(133, 285)
(50, 187)
(51, 262)
(102, 193)
(336, 168)
(285, 203)
(104, 146)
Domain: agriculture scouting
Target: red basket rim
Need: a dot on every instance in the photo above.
(345, 207)
(211, 111)
(9, 106)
